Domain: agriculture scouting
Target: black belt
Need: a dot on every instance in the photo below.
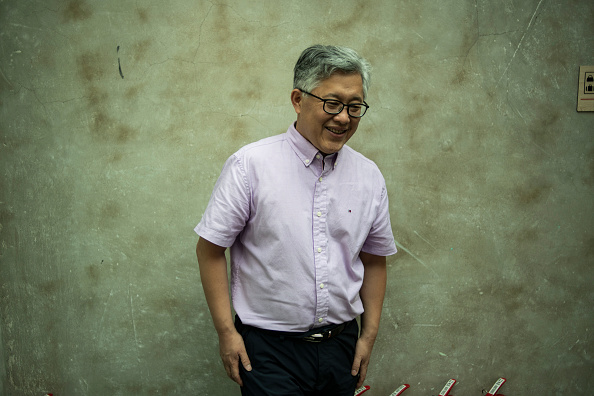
(324, 333)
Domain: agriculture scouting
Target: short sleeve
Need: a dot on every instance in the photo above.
(229, 207)
(380, 240)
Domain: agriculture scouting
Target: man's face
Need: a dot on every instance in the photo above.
(327, 132)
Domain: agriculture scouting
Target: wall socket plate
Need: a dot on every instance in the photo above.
(586, 89)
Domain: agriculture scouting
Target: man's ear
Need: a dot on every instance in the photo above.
(296, 99)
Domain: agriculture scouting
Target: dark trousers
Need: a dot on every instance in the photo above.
(283, 365)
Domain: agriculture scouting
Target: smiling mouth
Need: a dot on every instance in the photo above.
(337, 131)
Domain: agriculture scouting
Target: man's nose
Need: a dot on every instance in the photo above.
(343, 117)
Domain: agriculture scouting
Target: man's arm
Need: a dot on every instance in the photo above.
(213, 273)
(372, 296)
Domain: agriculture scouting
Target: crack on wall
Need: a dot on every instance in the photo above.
(520, 43)
(200, 32)
(499, 34)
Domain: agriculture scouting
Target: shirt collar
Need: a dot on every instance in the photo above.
(303, 148)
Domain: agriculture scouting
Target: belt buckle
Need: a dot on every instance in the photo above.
(319, 337)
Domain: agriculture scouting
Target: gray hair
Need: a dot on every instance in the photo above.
(319, 62)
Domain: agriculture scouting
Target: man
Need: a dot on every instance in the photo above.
(307, 222)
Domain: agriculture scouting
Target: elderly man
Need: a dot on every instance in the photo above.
(307, 222)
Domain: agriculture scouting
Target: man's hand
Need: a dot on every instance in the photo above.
(362, 356)
(232, 350)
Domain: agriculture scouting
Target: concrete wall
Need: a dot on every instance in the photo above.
(473, 122)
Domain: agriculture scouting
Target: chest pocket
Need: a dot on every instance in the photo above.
(351, 213)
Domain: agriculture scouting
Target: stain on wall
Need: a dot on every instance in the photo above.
(75, 11)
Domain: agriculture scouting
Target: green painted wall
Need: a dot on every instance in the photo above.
(473, 122)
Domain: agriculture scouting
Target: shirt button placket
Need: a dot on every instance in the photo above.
(321, 245)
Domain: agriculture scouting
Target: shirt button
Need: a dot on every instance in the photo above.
(320, 179)
(306, 162)
(321, 286)
(321, 320)
(319, 250)
(318, 156)
(319, 214)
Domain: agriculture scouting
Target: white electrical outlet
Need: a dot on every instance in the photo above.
(586, 89)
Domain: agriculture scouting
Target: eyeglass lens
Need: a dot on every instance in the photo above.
(335, 107)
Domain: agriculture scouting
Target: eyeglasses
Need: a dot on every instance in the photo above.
(332, 106)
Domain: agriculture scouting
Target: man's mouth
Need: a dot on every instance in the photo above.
(337, 131)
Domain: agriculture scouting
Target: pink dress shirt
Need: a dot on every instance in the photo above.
(296, 223)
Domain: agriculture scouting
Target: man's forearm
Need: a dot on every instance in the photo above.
(372, 293)
(372, 296)
(213, 274)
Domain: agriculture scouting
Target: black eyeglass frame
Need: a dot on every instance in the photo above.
(363, 105)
